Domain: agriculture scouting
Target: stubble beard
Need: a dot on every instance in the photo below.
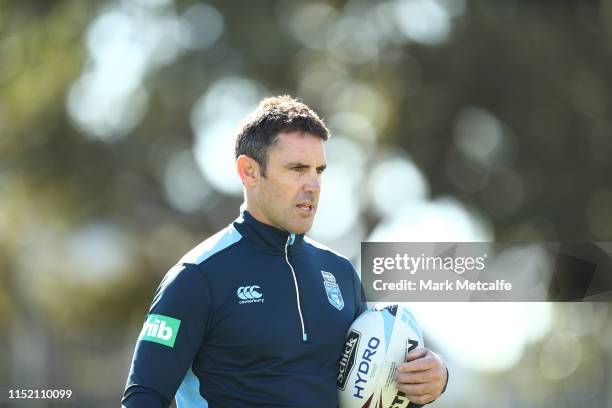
(303, 225)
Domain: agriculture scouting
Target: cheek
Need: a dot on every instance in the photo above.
(275, 197)
(274, 193)
(281, 191)
(285, 190)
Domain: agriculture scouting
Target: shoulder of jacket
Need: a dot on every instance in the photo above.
(325, 248)
(211, 246)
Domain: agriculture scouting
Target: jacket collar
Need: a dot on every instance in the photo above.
(266, 237)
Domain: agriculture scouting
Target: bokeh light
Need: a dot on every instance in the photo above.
(214, 119)
(184, 187)
(423, 21)
(491, 338)
(395, 182)
(125, 43)
(443, 220)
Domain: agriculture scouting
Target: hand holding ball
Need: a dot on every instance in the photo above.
(377, 342)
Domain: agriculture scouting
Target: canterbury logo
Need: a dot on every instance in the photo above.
(249, 294)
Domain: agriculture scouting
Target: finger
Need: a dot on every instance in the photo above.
(416, 354)
(416, 390)
(421, 399)
(421, 364)
(413, 377)
(434, 377)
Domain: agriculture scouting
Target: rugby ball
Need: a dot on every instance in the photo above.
(376, 343)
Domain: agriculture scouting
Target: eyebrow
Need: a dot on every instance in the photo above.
(303, 165)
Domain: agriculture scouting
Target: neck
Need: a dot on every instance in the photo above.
(255, 211)
(267, 237)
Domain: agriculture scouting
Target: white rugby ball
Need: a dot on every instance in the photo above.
(377, 341)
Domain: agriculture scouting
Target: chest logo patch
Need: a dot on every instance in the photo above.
(333, 290)
(249, 294)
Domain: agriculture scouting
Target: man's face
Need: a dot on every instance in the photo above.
(287, 197)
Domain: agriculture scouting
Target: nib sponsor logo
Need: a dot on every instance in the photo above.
(160, 329)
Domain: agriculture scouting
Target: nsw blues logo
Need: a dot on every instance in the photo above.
(333, 290)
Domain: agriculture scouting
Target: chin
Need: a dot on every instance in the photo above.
(300, 229)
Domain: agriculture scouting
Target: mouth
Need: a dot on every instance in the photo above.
(305, 208)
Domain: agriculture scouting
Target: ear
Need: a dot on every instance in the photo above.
(248, 170)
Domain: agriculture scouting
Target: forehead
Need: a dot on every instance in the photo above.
(298, 146)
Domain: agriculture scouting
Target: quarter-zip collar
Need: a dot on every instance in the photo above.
(266, 237)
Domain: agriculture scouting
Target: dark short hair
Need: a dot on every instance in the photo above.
(259, 131)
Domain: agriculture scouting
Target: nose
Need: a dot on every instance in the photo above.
(313, 184)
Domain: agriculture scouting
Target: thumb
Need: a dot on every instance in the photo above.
(416, 354)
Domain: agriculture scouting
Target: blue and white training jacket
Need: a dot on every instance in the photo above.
(251, 317)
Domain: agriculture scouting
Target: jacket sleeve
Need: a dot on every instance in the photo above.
(172, 333)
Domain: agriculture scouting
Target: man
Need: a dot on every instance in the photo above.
(256, 315)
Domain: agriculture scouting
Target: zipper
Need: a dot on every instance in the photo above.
(297, 289)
